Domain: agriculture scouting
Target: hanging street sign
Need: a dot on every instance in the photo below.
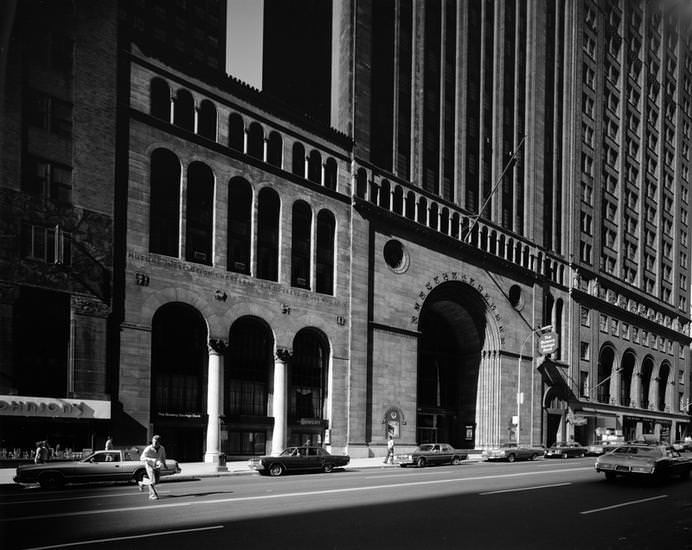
(547, 343)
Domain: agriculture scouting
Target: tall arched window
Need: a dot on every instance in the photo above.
(606, 360)
(558, 328)
(422, 214)
(236, 132)
(315, 167)
(324, 266)
(646, 371)
(164, 203)
(206, 124)
(307, 391)
(434, 218)
(200, 214)
(160, 97)
(330, 174)
(268, 211)
(300, 245)
(255, 141)
(184, 113)
(411, 205)
(444, 221)
(626, 373)
(239, 225)
(663, 374)
(362, 183)
(298, 160)
(275, 149)
(247, 367)
(398, 205)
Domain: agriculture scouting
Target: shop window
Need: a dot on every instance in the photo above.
(200, 214)
(324, 267)
(268, 211)
(206, 125)
(255, 141)
(239, 225)
(46, 244)
(300, 245)
(275, 149)
(236, 132)
(160, 99)
(184, 111)
(249, 443)
(47, 180)
(164, 208)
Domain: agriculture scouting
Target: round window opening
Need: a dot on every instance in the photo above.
(515, 297)
(395, 255)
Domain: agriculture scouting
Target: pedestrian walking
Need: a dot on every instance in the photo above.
(390, 449)
(154, 458)
(109, 444)
(41, 455)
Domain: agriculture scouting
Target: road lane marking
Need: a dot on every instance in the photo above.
(158, 506)
(518, 474)
(524, 488)
(628, 503)
(35, 501)
(129, 537)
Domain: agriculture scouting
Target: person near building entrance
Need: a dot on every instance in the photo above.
(154, 458)
(41, 452)
(390, 448)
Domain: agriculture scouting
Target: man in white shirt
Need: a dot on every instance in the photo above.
(154, 458)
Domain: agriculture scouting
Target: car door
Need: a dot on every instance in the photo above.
(446, 453)
(103, 466)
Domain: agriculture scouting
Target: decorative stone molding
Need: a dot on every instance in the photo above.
(93, 307)
(217, 345)
(284, 355)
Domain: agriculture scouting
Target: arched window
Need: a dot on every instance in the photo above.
(385, 195)
(248, 363)
(411, 205)
(324, 267)
(433, 221)
(444, 221)
(398, 205)
(559, 309)
(206, 123)
(236, 132)
(422, 217)
(663, 374)
(268, 210)
(300, 245)
(315, 167)
(362, 183)
(330, 174)
(164, 203)
(200, 214)
(275, 149)
(605, 371)
(626, 373)
(646, 371)
(184, 114)
(308, 386)
(298, 160)
(255, 141)
(455, 226)
(239, 225)
(160, 97)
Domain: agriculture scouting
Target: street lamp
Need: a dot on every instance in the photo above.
(539, 330)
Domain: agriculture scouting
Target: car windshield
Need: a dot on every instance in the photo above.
(425, 448)
(289, 452)
(640, 451)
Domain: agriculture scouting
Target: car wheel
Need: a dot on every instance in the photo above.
(456, 460)
(51, 481)
(328, 467)
(610, 476)
(533, 457)
(276, 470)
(420, 462)
(511, 458)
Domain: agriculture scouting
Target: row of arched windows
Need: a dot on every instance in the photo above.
(652, 392)
(250, 140)
(312, 237)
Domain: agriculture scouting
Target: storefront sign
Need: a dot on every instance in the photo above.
(310, 422)
(547, 343)
(20, 405)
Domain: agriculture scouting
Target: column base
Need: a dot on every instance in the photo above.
(214, 459)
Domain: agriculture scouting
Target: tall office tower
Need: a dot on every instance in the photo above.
(57, 158)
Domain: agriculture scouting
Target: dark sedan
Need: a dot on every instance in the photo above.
(648, 461)
(566, 450)
(298, 459)
(432, 453)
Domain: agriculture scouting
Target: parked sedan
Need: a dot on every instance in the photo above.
(294, 459)
(511, 452)
(644, 460)
(99, 466)
(566, 450)
(432, 453)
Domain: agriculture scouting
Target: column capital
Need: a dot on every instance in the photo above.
(284, 355)
(217, 345)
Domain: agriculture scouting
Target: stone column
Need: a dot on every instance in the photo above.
(635, 389)
(283, 356)
(216, 348)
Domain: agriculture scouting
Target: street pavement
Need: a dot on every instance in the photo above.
(557, 503)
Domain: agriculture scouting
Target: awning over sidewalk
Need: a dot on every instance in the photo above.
(555, 379)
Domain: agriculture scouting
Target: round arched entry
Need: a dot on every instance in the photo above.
(453, 333)
(178, 379)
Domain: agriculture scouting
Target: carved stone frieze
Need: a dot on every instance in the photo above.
(93, 307)
(284, 355)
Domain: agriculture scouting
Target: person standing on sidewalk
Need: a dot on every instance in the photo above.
(154, 458)
(390, 448)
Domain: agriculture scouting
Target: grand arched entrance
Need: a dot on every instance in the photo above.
(452, 350)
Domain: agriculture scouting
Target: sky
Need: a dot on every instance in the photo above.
(244, 44)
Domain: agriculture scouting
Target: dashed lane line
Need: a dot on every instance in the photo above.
(518, 489)
(628, 503)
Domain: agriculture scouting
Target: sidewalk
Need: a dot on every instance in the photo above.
(194, 470)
